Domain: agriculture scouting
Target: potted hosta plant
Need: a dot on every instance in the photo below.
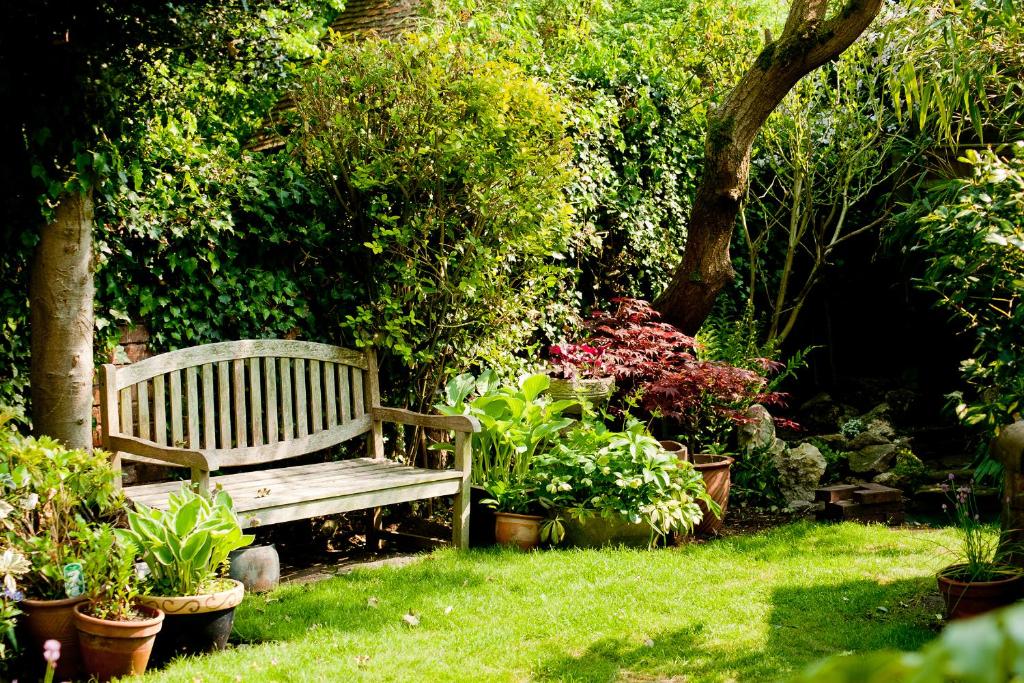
(619, 487)
(48, 494)
(517, 422)
(186, 549)
(115, 631)
(578, 371)
(980, 581)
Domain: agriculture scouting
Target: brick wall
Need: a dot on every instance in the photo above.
(134, 347)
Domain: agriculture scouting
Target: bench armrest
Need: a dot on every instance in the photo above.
(182, 457)
(459, 423)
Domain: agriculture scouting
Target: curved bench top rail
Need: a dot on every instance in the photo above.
(232, 350)
(282, 450)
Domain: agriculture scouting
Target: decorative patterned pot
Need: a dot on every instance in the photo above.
(595, 389)
(258, 567)
(598, 531)
(522, 531)
(112, 649)
(716, 472)
(969, 598)
(195, 624)
(46, 619)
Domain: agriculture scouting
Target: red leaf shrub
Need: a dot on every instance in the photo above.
(703, 398)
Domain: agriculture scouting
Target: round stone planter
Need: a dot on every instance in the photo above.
(675, 447)
(53, 619)
(595, 390)
(598, 531)
(113, 649)
(195, 624)
(969, 598)
(257, 567)
(520, 531)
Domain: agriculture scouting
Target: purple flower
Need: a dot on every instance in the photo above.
(944, 507)
(952, 477)
(945, 488)
(51, 651)
(13, 595)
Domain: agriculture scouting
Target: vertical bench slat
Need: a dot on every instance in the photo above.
(301, 417)
(270, 378)
(209, 412)
(330, 395)
(192, 398)
(238, 392)
(144, 410)
(177, 433)
(358, 402)
(287, 422)
(344, 395)
(160, 410)
(256, 401)
(224, 402)
(126, 412)
(316, 406)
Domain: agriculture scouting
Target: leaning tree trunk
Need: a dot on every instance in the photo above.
(808, 40)
(1008, 449)
(61, 305)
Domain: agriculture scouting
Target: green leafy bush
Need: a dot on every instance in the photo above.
(108, 570)
(974, 242)
(448, 169)
(50, 495)
(186, 545)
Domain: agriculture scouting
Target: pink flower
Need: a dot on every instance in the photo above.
(51, 651)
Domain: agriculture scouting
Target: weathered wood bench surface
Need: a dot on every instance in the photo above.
(259, 402)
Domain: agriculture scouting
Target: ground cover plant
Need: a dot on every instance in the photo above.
(744, 608)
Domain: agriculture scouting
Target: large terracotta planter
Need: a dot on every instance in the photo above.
(598, 531)
(521, 531)
(111, 649)
(679, 449)
(258, 567)
(967, 599)
(195, 624)
(716, 472)
(53, 619)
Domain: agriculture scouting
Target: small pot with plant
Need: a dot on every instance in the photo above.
(578, 372)
(115, 631)
(186, 549)
(514, 503)
(48, 495)
(981, 580)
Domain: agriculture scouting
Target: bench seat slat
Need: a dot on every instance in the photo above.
(331, 481)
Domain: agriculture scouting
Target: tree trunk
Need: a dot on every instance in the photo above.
(61, 315)
(1008, 449)
(807, 41)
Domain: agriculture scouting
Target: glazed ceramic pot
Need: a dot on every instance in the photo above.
(716, 472)
(521, 531)
(54, 619)
(969, 598)
(598, 531)
(195, 624)
(112, 649)
(258, 567)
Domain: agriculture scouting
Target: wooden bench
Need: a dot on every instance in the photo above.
(259, 402)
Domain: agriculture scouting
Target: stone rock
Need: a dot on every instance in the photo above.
(875, 459)
(757, 434)
(800, 471)
(865, 439)
(878, 421)
(907, 473)
(821, 413)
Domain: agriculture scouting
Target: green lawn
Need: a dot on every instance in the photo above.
(748, 608)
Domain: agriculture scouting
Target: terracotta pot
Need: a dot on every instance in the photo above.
(113, 649)
(258, 567)
(522, 531)
(598, 531)
(481, 519)
(675, 447)
(716, 472)
(195, 624)
(969, 598)
(46, 619)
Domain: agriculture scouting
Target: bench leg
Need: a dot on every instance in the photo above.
(374, 523)
(201, 482)
(460, 510)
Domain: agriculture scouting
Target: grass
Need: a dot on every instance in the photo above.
(749, 608)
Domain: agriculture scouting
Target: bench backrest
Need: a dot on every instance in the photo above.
(251, 402)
